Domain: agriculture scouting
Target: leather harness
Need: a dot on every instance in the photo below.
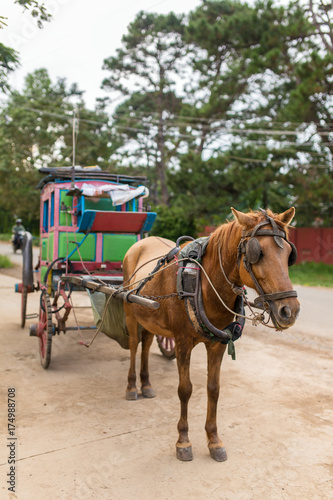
(249, 248)
(189, 280)
(189, 289)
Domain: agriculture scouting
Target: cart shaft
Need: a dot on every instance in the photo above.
(108, 290)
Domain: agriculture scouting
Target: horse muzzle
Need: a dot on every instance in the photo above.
(283, 306)
(284, 312)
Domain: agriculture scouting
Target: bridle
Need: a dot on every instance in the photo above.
(249, 248)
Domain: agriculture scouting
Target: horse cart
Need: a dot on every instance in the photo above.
(88, 220)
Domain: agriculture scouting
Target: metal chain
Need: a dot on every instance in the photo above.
(159, 297)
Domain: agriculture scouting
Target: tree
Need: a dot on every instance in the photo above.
(145, 72)
(300, 98)
(271, 66)
(36, 129)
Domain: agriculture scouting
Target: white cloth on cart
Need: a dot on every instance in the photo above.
(119, 193)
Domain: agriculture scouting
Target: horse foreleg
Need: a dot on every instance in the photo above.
(183, 445)
(214, 358)
(132, 327)
(146, 388)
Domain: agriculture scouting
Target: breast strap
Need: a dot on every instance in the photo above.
(189, 289)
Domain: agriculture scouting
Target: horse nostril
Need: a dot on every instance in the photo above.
(285, 313)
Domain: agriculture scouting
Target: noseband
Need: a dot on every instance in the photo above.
(249, 248)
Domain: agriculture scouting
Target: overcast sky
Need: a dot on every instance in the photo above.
(80, 36)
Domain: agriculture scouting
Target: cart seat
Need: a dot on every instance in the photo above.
(98, 221)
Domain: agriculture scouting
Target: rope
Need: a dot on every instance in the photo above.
(238, 290)
(144, 264)
(258, 316)
(101, 324)
(256, 319)
(151, 274)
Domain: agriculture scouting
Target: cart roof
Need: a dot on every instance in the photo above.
(54, 174)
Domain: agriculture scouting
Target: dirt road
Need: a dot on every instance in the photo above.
(78, 438)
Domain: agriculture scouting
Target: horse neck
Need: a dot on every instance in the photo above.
(226, 240)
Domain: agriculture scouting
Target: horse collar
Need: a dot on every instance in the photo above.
(189, 289)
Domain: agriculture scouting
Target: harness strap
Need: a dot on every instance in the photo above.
(189, 289)
(278, 235)
(161, 262)
(274, 296)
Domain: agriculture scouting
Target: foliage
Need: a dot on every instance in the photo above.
(36, 129)
(9, 58)
(5, 263)
(312, 274)
(230, 106)
(240, 69)
(144, 72)
(5, 236)
(172, 223)
(37, 10)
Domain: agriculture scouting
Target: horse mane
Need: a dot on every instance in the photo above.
(229, 230)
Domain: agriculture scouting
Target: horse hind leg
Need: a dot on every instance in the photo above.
(146, 388)
(214, 358)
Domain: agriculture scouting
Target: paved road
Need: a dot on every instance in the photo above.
(77, 436)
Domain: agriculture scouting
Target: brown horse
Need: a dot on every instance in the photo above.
(228, 260)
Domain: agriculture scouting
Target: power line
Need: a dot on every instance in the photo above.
(272, 162)
(211, 120)
(208, 121)
(178, 135)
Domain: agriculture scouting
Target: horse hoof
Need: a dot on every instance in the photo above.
(148, 392)
(218, 454)
(184, 454)
(131, 395)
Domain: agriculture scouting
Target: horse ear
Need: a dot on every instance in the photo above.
(287, 216)
(243, 219)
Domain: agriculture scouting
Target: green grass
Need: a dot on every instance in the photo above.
(312, 274)
(5, 262)
(5, 237)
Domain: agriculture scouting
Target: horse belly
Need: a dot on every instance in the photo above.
(157, 321)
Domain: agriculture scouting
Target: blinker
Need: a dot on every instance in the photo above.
(253, 250)
(293, 255)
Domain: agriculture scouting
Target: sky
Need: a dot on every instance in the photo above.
(80, 36)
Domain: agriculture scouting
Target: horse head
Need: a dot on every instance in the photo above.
(264, 255)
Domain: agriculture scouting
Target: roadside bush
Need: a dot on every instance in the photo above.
(5, 263)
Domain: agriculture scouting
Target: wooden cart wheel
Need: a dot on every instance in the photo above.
(24, 296)
(167, 346)
(45, 330)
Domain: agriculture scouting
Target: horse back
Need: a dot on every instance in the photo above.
(146, 253)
